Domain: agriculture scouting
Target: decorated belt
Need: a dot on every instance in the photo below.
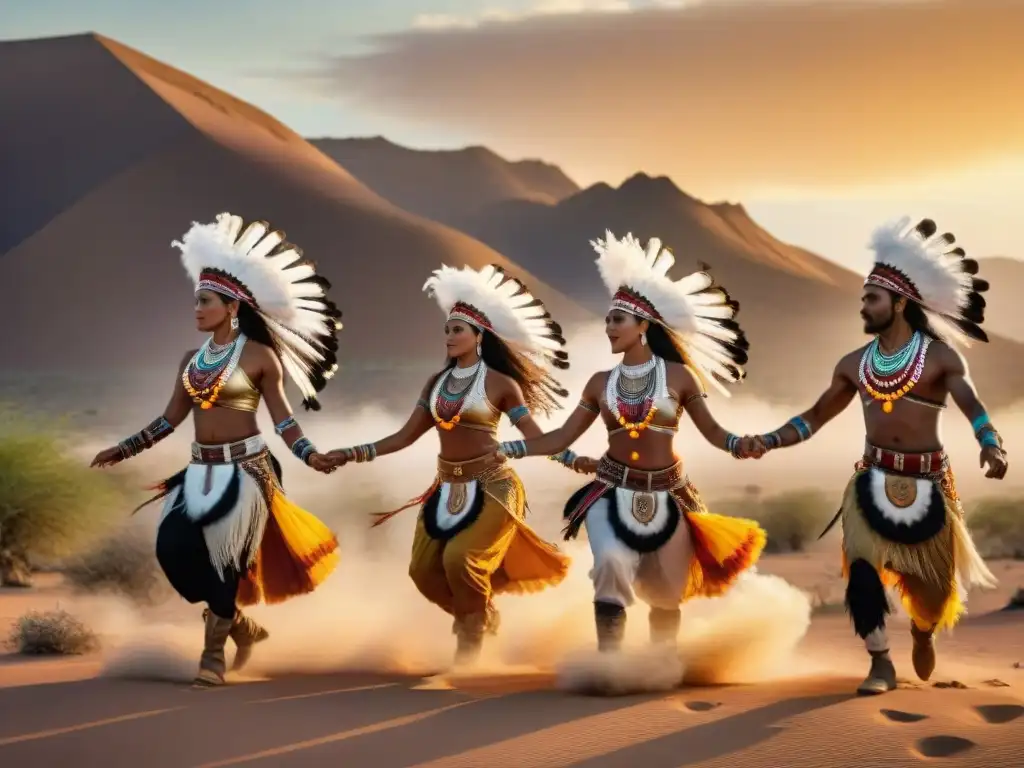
(228, 453)
(611, 472)
(480, 468)
(905, 463)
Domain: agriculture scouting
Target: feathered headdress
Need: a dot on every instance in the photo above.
(693, 308)
(256, 265)
(929, 270)
(489, 299)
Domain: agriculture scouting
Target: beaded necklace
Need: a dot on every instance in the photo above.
(630, 394)
(456, 390)
(887, 378)
(208, 370)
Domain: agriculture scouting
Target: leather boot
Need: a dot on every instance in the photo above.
(882, 676)
(664, 625)
(611, 625)
(245, 633)
(212, 663)
(923, 654)
(469, 634)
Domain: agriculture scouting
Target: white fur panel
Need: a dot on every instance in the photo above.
(662, 513)
(908, 516)
(445, 519)
(199, 501)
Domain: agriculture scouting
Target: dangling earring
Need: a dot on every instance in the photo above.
(643, 339)
(234, 323)
(479, 351)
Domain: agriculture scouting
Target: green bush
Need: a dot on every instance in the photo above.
(51, 632)
(997, 525)
(50, 500)
(792, 519)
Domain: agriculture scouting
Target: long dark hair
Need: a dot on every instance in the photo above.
(541, 390)
(916, 318)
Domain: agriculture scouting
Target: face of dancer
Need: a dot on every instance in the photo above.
(460, 338)
(624, 330)
(213, 311)
(879, 309)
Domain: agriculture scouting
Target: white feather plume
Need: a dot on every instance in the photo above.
(691, 307)
(938, 276)
(514, 313)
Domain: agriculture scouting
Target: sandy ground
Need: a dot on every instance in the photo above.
(67, 712)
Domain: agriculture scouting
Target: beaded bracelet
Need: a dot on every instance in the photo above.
(566, 458)
(981, 421)
(135, 444)
(303, 448)
(803, 429)
(361, 453)
(732, 444)
(514, 449)
(285, 425)
(517, 414)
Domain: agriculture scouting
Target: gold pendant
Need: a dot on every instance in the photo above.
(887, 406)
(457, 495)
(634, 456)
(900, 491)
(644, 506)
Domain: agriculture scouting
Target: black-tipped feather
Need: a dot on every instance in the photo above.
(926, 228)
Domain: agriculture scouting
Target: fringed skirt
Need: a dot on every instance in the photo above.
(902, 515)
(645, 509)
(226, 519)
(477, 509)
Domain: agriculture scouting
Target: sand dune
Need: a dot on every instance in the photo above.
(134, 151)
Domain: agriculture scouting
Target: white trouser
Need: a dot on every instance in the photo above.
(658, 578)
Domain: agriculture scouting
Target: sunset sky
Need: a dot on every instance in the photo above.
(822, 117)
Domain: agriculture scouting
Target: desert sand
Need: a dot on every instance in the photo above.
(87, 711)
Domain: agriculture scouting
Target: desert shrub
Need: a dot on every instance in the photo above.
(50, 500)
(792, 519)
(997, 525)
(51, 632)
(123, 564)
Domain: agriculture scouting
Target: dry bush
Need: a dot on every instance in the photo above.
(124, 564)
(997, 525)
(50, 501)
(54, 632)
(792, 519)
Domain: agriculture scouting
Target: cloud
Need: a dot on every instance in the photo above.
(436, 21)
(722, 95)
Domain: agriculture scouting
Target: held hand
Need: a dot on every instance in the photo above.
(321, 463)
(338, 458)
(585, 465)
(995, 458)
(107, 458)
(752, 447)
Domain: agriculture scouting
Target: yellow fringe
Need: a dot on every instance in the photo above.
(724, 547)
(297, 554)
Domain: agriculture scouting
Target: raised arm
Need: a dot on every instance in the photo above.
(960, 387)
(832, 402)
(559, 440)
(418, 424)
(177, 410)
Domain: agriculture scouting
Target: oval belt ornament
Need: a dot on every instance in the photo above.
(900, 491)
(644, 506)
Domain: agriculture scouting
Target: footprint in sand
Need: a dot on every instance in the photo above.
(943, 746)
(898, 716)
(998, 714)
(701, 706)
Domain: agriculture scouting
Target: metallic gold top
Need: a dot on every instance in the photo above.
(239, 393)
(666, 417)
(482, 416)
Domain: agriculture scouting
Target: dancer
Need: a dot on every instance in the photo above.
(902, 519)
(649, 531)
(228, 535)
(472, 540)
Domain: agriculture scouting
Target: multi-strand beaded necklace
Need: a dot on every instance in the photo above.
(456, 390)
(210, 368)
(887, 378)
(630, 394)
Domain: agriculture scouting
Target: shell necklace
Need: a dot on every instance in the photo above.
(210, 368)
(456, 390)
(630, 394)
(887, 378)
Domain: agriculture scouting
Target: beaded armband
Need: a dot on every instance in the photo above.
(146, 438)
(285, 425)
(513, 449)
(566, 458)
(361, 453)
(517, 414)
(588, 406)
(732, 444)
(303, 448)
(985, 433)
(422, 403)
(803, 429)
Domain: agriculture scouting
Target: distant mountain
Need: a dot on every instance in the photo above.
(446, 184)
(108, 155)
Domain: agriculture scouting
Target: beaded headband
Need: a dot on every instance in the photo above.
(222, 283)
(470, 314)
(892, 279)
(635, 304)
